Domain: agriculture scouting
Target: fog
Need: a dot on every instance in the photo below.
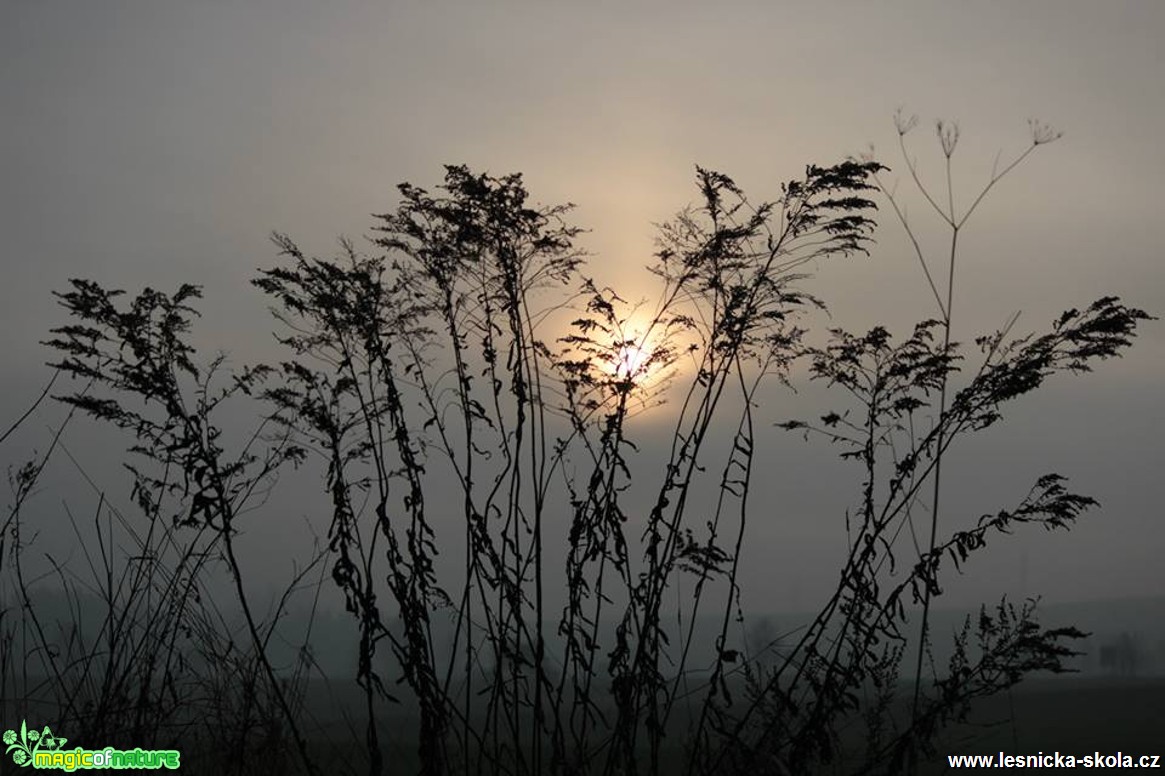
(153, 144)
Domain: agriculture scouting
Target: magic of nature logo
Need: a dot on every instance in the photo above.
(43, 749)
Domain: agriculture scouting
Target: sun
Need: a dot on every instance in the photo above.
(620, 354)
(631, 360)
(640, 354)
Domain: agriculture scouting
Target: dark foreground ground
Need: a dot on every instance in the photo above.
(1079, 715)
(1070, 715)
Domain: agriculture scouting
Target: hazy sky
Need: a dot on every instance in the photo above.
(150, 143)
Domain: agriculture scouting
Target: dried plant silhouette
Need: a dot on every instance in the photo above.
(463, 394)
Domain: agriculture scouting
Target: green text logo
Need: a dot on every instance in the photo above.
(42, 749)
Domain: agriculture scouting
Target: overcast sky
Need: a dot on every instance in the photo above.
(151, 143)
